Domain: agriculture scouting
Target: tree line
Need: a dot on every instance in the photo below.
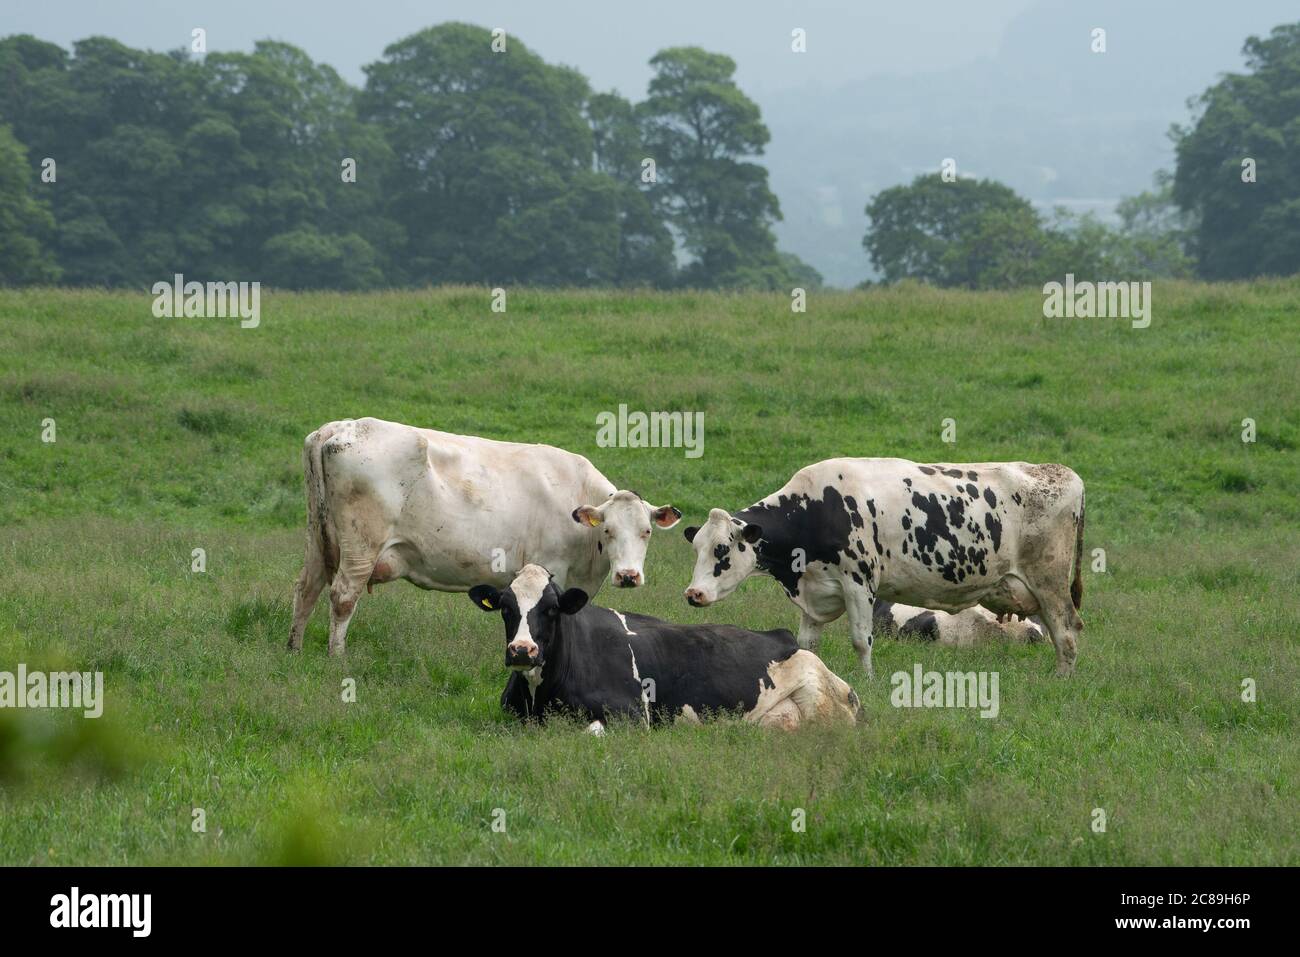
(455, 162)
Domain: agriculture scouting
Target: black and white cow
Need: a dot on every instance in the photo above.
(844, 533)
(446, 512)
(972, 626)
(571, 657)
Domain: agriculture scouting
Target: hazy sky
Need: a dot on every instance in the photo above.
(608, 40)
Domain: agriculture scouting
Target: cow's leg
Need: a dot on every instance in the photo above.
(859, 603)
(784, 715)
(344, 595)
(354, 571)
(810, 632)
(306, 592)
(1063, 624)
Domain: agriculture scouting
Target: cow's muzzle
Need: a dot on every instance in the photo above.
(518, 656)
(627, 579)
(697, 598)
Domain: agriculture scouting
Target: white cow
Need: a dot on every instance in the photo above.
(844, 533)
(447, 512)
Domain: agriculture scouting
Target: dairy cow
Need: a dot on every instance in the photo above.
(446, 512)
(973, 626)
(844, 533)
(596, 663)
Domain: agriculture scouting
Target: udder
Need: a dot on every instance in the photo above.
(1010, 596)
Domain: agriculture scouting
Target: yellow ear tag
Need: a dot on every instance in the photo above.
(593, 521)
(486, 604)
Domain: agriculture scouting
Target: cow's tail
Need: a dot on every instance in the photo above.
(318, 525)
(1076, 586)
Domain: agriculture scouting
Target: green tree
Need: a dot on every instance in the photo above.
(25, 221)
(109, 117)
(645, 244)
(267, 165)
(1155, 236)
(1246, 229)
(700, 128)
(979, 234)
(966, 232)
(495, 155)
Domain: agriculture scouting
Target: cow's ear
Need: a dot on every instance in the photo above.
(752, 533)
(665, 516)
(572, 601)
(486, 597)
(690, 531)
(586, 515)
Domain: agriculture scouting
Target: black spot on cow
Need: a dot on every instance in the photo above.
(600, 548)
(938, 544)
(854, 515)
(990, 498)
(871, 507)
(956, 512)
(935, 528)
(875, 537)
(923, 626)
(972, 476)
(907, 521)
(907, 482)
(882, 616)
(723, 554)
(1015, 497)
(995, 529)
(925, 470)
(952, 473)
(822, 528)
(972, 491)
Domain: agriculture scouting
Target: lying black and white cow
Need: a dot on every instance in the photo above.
(843, 533)
(596, 663)
(972, 626)
(446, 512)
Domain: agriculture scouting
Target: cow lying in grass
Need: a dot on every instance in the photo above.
(973, 626)
(595, 663)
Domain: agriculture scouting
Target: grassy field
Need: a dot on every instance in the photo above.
(181, 434)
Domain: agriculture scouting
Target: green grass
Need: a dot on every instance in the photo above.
(180, 434)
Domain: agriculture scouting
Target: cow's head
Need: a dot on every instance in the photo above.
(531, 607)
(725, 555)
(623, 523)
